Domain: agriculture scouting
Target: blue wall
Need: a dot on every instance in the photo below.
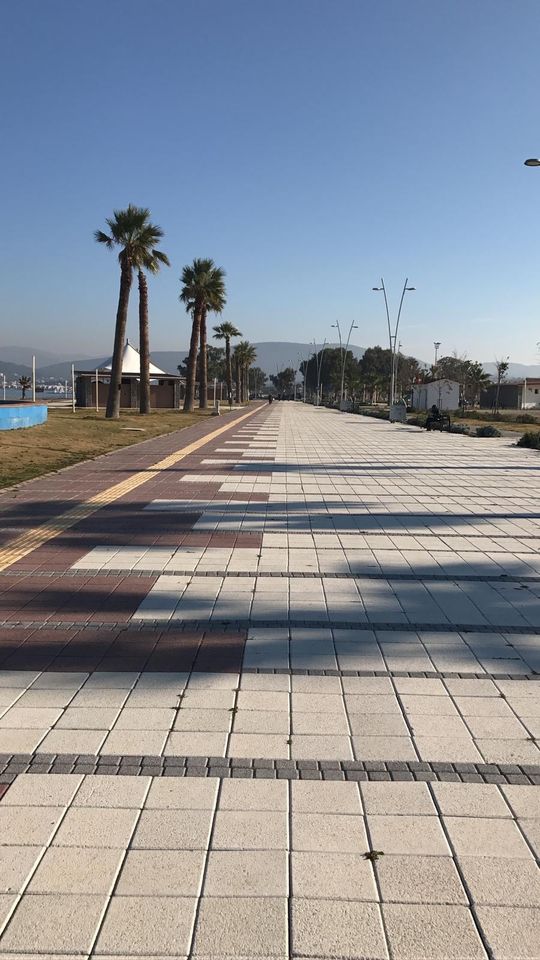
(25, 415)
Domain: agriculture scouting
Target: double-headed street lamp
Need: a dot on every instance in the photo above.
(343, 353)
(392, 337)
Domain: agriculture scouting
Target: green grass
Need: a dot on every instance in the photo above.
(69, 438)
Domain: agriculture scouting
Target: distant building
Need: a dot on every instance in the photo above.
(513, 395)
(166, 389)
(443, 393)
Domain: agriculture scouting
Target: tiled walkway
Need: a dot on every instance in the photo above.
(280, 700)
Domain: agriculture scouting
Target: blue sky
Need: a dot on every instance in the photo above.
(308, 146)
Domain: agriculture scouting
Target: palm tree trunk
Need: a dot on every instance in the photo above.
(229, 369)
(203, 365)
(144, 346)
(189, 399)
(115, 384)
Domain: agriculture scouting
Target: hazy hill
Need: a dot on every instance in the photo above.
(13, 370)
(62, 369)
(515, 370)
(271, 356)
(23, 355)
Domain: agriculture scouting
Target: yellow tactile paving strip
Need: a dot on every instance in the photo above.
(27, 542)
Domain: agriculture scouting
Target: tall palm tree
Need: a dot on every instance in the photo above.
(226, 331)
(132, 231)
(151, 261)
(203, 290)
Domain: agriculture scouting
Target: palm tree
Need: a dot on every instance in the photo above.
(132, 231)
(151, 261)
(226, 331)
(245, 354)
(25, 383)
(203, 290)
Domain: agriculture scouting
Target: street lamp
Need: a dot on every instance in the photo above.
(392, 337)
(343, 353)
(436, 344)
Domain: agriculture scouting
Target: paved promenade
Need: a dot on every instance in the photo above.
(269, 688)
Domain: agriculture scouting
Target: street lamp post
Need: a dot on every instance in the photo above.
(392, 337)
(436, 344)
(343, 353)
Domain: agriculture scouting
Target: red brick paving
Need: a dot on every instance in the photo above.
(84, 649)
(26, 594)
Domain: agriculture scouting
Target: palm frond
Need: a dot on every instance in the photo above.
(101, 237)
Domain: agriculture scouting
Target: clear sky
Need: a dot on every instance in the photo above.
(308, 146)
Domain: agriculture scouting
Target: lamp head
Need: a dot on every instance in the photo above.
(376, 288)
(532, 162)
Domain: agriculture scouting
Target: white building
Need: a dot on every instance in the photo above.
(443, 393)
(530, 393)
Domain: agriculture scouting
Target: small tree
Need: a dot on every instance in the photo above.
(259, 379)
(501, 367)
(284, 380)
(25, 383)
(476, 380)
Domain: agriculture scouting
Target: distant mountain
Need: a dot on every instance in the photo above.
(270, 357)
(23, 355)
(516, 371)
(167, 360)
(14, 370)
(273, 356)
(63, 369)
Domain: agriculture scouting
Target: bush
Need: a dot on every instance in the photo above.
(525, 418)
(416, 421)
(460, 428)
(376, 412)
(488, 432)
(531, 439)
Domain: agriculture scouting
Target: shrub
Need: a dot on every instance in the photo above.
(416, 421)
(531, 439)
(460, 428)
(376, 412)
(488, 432)
(525, 418)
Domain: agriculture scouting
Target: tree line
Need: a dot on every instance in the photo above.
(203, 292)
(368, 378)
